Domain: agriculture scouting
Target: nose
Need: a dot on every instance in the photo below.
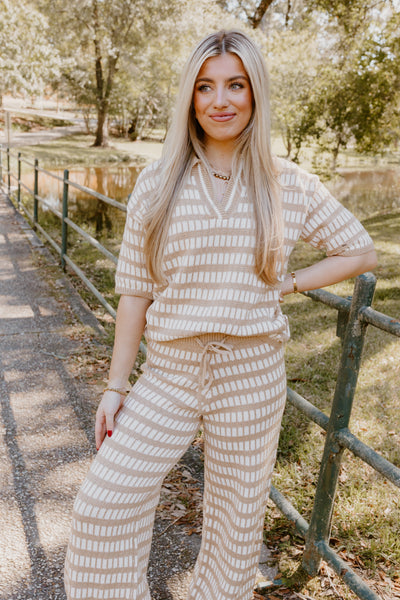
(221, 97)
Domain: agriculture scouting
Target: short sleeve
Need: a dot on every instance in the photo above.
(132, 277)
(331, 227)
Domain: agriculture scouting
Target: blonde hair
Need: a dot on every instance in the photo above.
(184, 140)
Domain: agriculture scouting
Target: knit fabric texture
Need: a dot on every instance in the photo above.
(209, 262)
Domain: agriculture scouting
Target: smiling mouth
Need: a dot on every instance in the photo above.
(222, 117)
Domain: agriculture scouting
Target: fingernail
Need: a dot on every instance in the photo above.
(97, 448)
(109, 432)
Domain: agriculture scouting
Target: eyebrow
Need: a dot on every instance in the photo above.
(208, 79)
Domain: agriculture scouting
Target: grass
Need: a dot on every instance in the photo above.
(366, 520)
(74, 150)
(20, 122)
(78, 150)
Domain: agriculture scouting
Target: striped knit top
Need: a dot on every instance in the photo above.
(209, 262)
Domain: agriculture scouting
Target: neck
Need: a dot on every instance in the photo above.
(220, 157)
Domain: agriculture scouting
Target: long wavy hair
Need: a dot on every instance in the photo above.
(253, 150)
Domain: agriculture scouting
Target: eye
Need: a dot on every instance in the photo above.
(204, 87)
(236, 85)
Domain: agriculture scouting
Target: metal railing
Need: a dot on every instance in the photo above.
(65, 221)
(353, 318)
(14, 192)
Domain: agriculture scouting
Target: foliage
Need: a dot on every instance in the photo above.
(335, 78)
(358, 91)
(25, 65)
(130, 55)
(293, 90)
(106, 33)
(249, 11)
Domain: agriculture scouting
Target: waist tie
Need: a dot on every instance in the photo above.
(206, 376)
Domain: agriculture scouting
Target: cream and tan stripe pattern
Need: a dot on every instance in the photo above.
(240, 408)
(209, 260)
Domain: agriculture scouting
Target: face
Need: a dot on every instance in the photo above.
(223, 99)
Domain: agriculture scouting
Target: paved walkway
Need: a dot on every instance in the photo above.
(46, 443)
(46, 430)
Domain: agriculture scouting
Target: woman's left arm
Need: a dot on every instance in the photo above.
(329, 271)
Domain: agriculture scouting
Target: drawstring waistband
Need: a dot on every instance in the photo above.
(206, 375)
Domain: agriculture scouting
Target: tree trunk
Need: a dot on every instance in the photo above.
(295, 158)
(101, 133)
(287, 140)
(335, 153)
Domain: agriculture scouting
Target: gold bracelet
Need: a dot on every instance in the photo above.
(295, 290)
(121, 391)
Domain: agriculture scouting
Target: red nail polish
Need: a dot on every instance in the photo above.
(109, 432)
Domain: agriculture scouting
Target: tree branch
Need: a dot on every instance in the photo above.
(260, 11)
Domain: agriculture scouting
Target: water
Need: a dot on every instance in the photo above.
(364, 192)
(115, 181)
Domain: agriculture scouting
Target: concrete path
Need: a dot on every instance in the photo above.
(46, 443)
(46, 429)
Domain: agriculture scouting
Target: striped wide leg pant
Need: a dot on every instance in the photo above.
(236, 388)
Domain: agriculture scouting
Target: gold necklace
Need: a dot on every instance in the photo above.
(221, 176)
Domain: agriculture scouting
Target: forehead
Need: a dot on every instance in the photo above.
(227, 65)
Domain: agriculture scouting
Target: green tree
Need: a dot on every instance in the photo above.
(358, 90)
(294, 61)
(335, 75)
(28, 61)
(104, 33)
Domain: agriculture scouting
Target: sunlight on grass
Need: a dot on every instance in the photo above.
(78, 150)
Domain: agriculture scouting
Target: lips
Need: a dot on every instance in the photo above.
(222, 117)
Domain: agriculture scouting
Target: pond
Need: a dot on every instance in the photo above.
(116, 182)
(364, 192)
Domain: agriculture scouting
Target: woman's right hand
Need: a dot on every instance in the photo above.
(129, 327)
(109, 406)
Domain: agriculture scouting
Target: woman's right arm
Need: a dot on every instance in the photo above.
(129, 327)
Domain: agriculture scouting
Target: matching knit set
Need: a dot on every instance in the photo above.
(215, 359)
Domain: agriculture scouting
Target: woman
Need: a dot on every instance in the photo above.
(203, 265)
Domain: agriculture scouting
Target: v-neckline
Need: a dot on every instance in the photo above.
(225, 207)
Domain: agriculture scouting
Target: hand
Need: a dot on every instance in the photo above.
(109, 406)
